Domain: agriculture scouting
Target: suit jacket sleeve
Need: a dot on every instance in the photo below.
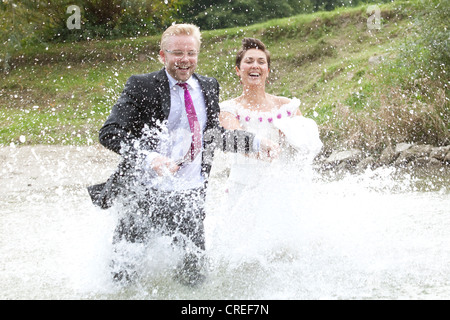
(132, 111)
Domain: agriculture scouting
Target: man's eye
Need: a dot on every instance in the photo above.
(179, 53)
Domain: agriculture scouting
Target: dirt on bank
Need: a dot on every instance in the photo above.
(28, 169)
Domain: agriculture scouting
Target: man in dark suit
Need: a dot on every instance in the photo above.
(161, 180)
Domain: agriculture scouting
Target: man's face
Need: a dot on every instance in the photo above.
(180, 56)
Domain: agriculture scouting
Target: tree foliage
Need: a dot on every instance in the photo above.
(229, 13)
(214, 14)
(28, 22)
(46, 20)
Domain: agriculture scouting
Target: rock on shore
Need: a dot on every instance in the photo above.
(401, 155)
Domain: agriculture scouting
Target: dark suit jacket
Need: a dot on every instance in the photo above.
(144, 103)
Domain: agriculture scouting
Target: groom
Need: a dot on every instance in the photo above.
(161, 185)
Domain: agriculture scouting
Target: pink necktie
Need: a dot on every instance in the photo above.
(196, 144)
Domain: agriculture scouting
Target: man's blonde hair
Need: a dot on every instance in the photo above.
(181, 29)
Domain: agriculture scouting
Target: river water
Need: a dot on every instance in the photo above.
(378, 234)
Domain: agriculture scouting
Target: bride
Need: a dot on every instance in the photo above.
(262, 197)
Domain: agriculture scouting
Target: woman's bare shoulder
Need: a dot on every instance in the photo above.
(279, 100)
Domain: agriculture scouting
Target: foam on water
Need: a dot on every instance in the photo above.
(374, 235)
(360, 236)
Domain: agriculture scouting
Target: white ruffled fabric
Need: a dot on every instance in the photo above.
(255, 117)
(263, 202)
(300, 132)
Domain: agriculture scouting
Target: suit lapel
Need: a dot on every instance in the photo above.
(164, 91)
(207, 90)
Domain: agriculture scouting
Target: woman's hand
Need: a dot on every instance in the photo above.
(269, 150)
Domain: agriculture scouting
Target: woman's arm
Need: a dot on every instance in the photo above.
(229, 121)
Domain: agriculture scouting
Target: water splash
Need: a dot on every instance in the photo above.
(380, 234)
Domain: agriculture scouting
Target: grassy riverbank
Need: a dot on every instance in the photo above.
(366, 88)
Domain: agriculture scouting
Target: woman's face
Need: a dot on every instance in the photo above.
(254, 68)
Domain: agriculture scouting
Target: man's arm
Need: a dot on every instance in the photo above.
(117, 129)
(125, 124)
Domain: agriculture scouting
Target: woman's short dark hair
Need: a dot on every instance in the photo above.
(251, 43)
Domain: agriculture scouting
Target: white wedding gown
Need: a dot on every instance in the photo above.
(262, 200)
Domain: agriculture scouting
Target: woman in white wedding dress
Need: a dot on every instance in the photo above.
(262, 198)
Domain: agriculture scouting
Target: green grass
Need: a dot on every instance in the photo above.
(62, 93)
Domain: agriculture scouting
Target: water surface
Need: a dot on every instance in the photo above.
(380, 234)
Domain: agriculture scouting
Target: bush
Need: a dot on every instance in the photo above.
(230, 13)
(415, 106)
(120, 18)
(30, 22)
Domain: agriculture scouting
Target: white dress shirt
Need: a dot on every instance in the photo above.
(176, 138)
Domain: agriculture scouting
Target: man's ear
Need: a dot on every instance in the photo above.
(162, 56)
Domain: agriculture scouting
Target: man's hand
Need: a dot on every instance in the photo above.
(164, 166)
(269, 150)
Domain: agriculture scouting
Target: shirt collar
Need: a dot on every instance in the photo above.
(192, 81)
